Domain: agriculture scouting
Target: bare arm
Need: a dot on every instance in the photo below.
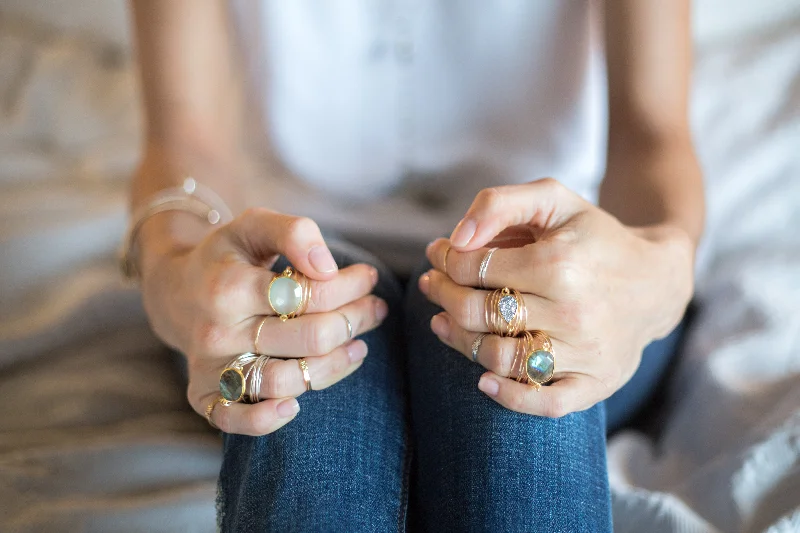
(190, 90)
(652, 175)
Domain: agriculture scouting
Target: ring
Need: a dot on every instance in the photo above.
(446, 253)
(484, 267)
(349, 325)
(232, 381)
(256, 375)
(306, 375)
(210, 409)
(258, 335)
(540, 362)
(505, 312)
(476, 345)
(288, 294)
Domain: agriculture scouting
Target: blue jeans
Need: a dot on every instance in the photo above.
(409, 442)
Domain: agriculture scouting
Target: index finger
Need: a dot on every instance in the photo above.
(255, 419)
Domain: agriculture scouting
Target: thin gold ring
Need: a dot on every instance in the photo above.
(446, 253)
(476, 345)
(210, 410)
(258, 335)
(306, 375)
(349, 325)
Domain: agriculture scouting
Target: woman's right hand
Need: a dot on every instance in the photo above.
(208, 300)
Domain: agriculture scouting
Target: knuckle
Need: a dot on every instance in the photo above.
(517, 401)
(319, 338)
(209, 338)
(464, 270)
(221, 289)
(466, 311)
(275, 381)
(339, 365)
(490, 198)
(222, 418)
(300, 227)
(550, 183)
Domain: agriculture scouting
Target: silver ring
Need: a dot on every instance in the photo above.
(476, 345)
(256, 374)
(484, 267)
(349, 325)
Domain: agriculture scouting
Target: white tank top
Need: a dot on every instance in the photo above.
(391, 114)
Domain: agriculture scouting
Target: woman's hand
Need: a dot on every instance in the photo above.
(601, 290)
(208, 301)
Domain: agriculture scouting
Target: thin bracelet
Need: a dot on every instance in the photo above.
(191, 197)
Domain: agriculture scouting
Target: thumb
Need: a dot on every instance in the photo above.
(261, 234)
(544, 203)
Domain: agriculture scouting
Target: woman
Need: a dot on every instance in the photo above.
(363, 100)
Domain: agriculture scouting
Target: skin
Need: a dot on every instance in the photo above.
(603, 281)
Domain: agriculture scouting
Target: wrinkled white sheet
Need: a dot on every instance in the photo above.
(94, 431)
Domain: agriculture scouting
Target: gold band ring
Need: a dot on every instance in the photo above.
(258, 335)
(446, 253)
(349, 325)
(505, 312)
(210, 410)
(306, 375)
(288, 294)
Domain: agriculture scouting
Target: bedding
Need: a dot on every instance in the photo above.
(95, 433)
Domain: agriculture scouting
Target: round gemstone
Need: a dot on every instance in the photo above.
(285, 295)
(540, 366)
(231, 385)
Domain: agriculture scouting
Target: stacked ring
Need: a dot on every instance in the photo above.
(505, 312)
(288, 294)
(484, 267)
(256, 375)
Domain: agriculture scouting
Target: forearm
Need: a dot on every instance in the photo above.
(190, 96)
(655, 182)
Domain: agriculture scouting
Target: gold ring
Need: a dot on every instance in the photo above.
(306, 375)
(210, 410)
(539, 360)
(258, 335)
(288, 294)
(446, 252)
(349, 325)
(484, 267)
(505, 312)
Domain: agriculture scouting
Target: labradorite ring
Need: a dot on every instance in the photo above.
(540, 363)
(232, 381)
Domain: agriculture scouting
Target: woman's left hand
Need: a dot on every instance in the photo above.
(601, 290)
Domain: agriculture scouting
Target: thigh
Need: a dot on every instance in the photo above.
(341, 465)
(481, 467)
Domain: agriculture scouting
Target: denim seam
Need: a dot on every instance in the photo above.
(402, 516)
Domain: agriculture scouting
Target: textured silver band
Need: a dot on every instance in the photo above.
(484, 267)
(476, 345)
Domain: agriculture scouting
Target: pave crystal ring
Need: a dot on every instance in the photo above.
(505, 312)
(537, 361)
(232, 381)
(289, 294)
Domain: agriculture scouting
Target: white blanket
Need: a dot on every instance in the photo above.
(94, 431)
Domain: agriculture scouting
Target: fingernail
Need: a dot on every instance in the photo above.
(288, 408)
(381, 309)
(356, 351)
(374, 275)
(424, 283)
(440, 326)
(321, 259)
(488, 386)
(428, 248)
(463, 232)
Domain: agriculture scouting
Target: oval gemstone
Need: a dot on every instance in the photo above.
(231, 385)
(285, 295)
(540, 366)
